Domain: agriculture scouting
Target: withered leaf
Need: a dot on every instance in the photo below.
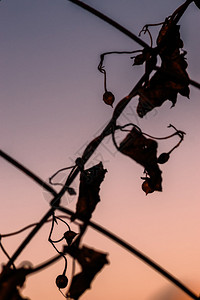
(89, 188)
(91, 262)
(144, 152)
(197, 2)
(165, 84)
(167, 40)
(10, 281)
(154, 96)
(171, 78)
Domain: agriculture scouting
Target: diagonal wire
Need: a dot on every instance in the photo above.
(111, 22)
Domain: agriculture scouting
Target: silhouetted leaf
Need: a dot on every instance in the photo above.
(144, 152)
(91, 262)
(169, 41)
(165, 84)
(10, 281)
(171, 78)
(197, 2)
(89, 188)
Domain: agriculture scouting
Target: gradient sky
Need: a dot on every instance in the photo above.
(51, 108)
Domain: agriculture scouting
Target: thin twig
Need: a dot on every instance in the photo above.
(29, 226)
(52, 242)
(5, 252)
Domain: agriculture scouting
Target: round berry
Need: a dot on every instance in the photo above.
(61, 281)
(108, 98)
(147, 187)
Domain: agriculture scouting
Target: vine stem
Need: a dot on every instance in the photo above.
(87, 154)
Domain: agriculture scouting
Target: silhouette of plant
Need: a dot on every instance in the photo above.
(157, 85)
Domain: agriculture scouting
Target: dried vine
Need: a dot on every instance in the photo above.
(169, 80)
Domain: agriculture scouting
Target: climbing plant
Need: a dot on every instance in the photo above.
(165, 78)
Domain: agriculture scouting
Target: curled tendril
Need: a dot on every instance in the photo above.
(69, 189)
(177, 132)
(145, 30)
(180, 133)
(101, 67)
(30, 226)
(63, 169)
(54, 220)
(122, 128)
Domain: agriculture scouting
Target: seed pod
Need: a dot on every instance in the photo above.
(163, 158)
(61, 281)
(108, 98)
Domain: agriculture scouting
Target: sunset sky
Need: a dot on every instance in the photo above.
(51, 107)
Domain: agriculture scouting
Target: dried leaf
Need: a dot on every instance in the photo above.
(197, 2)
(171, 78)
(10, 281)
(167, 40)
(165, 84)
(144, 152)
(175, 69)
(91, 262)
(89, 188)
